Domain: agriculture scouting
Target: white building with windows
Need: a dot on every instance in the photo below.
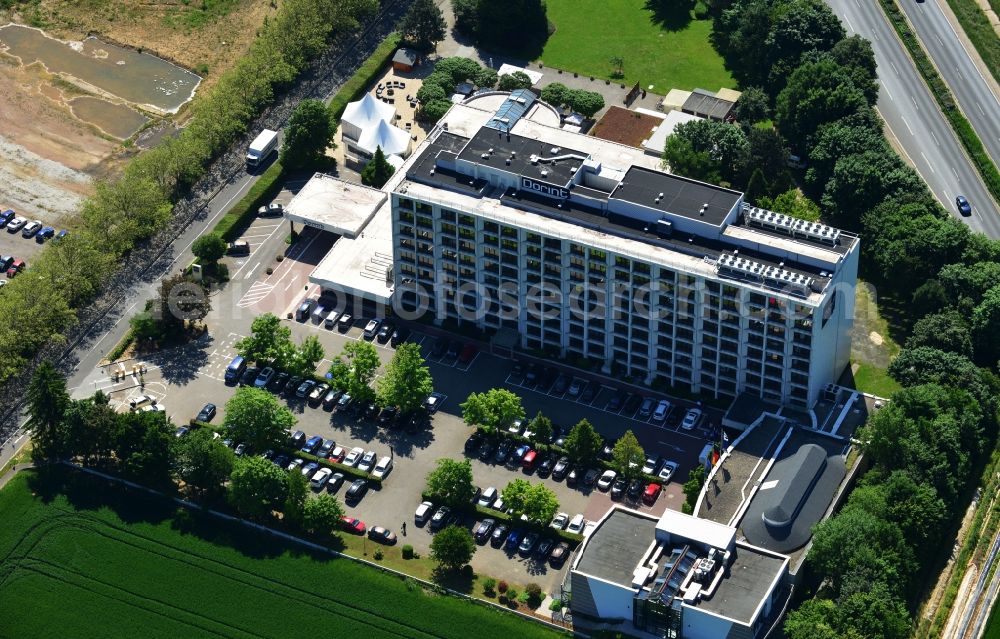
(585, 249)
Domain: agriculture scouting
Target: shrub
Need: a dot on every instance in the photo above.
(407, 551)
(701, 11)
(489, 586)
(242, 213)
(556, 605)
(378, 554)
(502, 586)
(533, 590)
(512, 596)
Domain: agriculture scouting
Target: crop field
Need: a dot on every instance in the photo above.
(666, 51)
(82, 558)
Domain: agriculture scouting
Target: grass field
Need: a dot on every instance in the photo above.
(992, 630)
(590, 32)
(79, 558)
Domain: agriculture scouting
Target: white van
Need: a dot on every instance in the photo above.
(141, 400)
(576, 524)
(382, 468)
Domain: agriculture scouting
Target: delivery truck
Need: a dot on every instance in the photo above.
(262, 146)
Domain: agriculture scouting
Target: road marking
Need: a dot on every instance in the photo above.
(849, 25)
(894, 68)
(914, 100)
(956, 173)
(928, 162)
(886, 89)
(254, 294)
(250, 272)
(907, 124)
(980, 107)
(934, 137)
(939, 39)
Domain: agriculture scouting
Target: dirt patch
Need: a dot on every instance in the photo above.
(625, 126)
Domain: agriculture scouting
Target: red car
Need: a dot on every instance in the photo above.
(337, 454)
(353, 524)
(467, 354)
(652, 492)
(16, 267)
(529, 459)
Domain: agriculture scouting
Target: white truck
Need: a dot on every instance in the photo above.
(262, 146)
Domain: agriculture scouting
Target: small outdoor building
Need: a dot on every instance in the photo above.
(405, 59)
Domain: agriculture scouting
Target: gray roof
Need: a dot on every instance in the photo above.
(804, 468)
(706, 104)
(614, 549)
(747, 583)
(681, 196)
(405, 56)
(503, 145)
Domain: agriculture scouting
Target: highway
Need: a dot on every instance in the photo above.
(913, 118)
(971, 88)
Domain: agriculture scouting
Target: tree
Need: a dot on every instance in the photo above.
(91, 428)
(814, 619)
(322, 514)
(466, 19)
(876, 612)
(513, 81)
(179, 301)
(930, 297)
(793, 203)
(757, 186)
(209, 248)
(683, 159)
(256, 418)
(310, 131)
(268, 341)
(124, 211)
(856, 54)
(586, 103)
(458, 68)
(145, 447)
(555, 93)
(306, 356)
(354, 369)
(692, 487)
(752, 106)
(407, 381)
(494, 410)
(986, 327)
(627, 456)
(708, 150)
(296, 493)
(534, 501)
(451, 482)
(453, 547)
(862, 180)
(854, 538)
(946, 331)
(47, 401)
(798, 28)
(378, 170)
(434, 110)
(583, 443)
(485, 78)
(257, 486)
(817, 93)
(430, 92)
(203, 461)
(541, 427)
(511, 24)
(424, 25)
(856, 133)
(617, 66)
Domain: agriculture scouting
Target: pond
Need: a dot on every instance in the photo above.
(117, 120)
(139, 78)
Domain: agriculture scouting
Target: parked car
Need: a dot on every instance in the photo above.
(353, 525)
(336, 480)
(382, 468)
(561, 385)
(573, 477)
(439, 348)
(649, 467)
(399, 336)
(318, 481)
(514, 539)
(487, 497)
(454, 348)
(646, 408)
(304, 309)
(367, 461)
(518, 455)
(371, 328)
(388, 415)
(298, 439)
(294, 464)
(45, 233)
(344, 402)
(271, 210)
(544, 547)
(588, 394)
(618, 488)
(635, 488)
(559, 521)
(141, 400)
(499, 535)
(281, 461)
(312, 444)
(309, 469)
(264, 377)
(607, 478)
(331, 398)
(662, 408)
(249, 376)
(504, 450)
(667, 470)
(331, 320)
(237, 248)
(484, 530)
(292, 385)
(423, 513)
(528, 460)
(345, 322)
(305, 388)
(473, 443)
(324, 449)
(516, 427)
(384, 332)
(487, 451)
(207, 413)
(16, 224)
(441, 516)
(357, 490)
(575, 525)
(561, 469)
(433, 402)
(468, 353)
(279, 382)
(691, 419)
(382, 535)
(6, 216)
(615, 403)
(181, 431)
(317, 393)
(558, 554)
(337, 454)
(590, 477)
(31, 228)
(545, 466)
(527, 544)
(651, 492)
(354, 456)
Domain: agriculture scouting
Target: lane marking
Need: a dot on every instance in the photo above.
(928, 162)
(907, 125)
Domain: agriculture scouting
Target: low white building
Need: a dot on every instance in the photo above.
(677, 577)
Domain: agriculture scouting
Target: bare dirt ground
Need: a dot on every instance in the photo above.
(48, 158)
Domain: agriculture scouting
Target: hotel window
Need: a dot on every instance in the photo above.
(424, 207)
(406, 203)
(447, 215)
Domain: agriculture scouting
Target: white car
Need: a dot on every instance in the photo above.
(560, 521)
(423, 513)
(320, 478)
(516, 427)
(141, 400)
(16, 224)
(367, 461)
(667, 471)
(661, 411)
(152, 408)
(574, 388)
(650, 466)
(488, 497)
(371, 328)
(576, 525)
(382, 468)
(691, 419)
(608, 478)
(354, 456)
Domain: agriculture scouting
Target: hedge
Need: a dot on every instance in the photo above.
(122, 345)
(963, 129)
(367, 73)
(243, 212)
(980, 31)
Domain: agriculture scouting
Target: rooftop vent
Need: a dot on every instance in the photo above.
(555, 150)
(533, 159)
(545, 173)
(508, 162)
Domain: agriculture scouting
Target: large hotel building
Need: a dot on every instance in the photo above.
(582, 248)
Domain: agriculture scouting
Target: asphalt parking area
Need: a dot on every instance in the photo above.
(281, 290)
(21, 248)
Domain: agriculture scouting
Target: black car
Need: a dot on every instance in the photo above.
(562, 383)
(385, 332)
(618, 488)
(325, 448)
(331, 398)
(573, 477)
(415, 421)
(333, 484)
(357, 490)
(278, 383)
(558, 436)
(292, 385)
(454, 348)
(545, 467)
(440, 346)
(371, 411)
(561, 469)
(517, 373)
(473, 443)
(635, 489)
(399, 336)
(615, 403)
(546, 379)
(632, 402)
(484, 530)
(588, 393)
(503, 451)
(281, 461)
(298, 439)
(207, 413)
(388, 415)
(607, 451)
(249, 376)
(499, 535)
(443, 517)
(531, 375)
(486, 451)
(544, 548)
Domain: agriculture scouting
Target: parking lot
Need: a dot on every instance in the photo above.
(14, 244)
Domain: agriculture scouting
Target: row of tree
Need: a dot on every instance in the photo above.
(66, 275)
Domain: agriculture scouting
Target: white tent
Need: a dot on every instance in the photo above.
(393, 140)
(363, 114)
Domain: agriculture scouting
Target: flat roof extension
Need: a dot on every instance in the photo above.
(746, 583)
(513, 153)
(335, 205)
(681, 196)
(614, 549)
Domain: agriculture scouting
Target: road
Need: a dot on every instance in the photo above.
(972, 89)
(913, 118)
(228, 182)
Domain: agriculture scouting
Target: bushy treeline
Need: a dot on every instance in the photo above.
(41, 304)
(925, 446)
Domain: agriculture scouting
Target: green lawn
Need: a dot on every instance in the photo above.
(83, 559)
(874, 380)
(992, 630)
(590, 32)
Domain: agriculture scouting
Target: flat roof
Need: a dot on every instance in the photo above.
(615, 547)
(554, 164)
(702, 531)
(657, 142)
(707, 104)
(626, 127)
(335, 205)
(747, 583)
(358, 266)
(681, 196)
